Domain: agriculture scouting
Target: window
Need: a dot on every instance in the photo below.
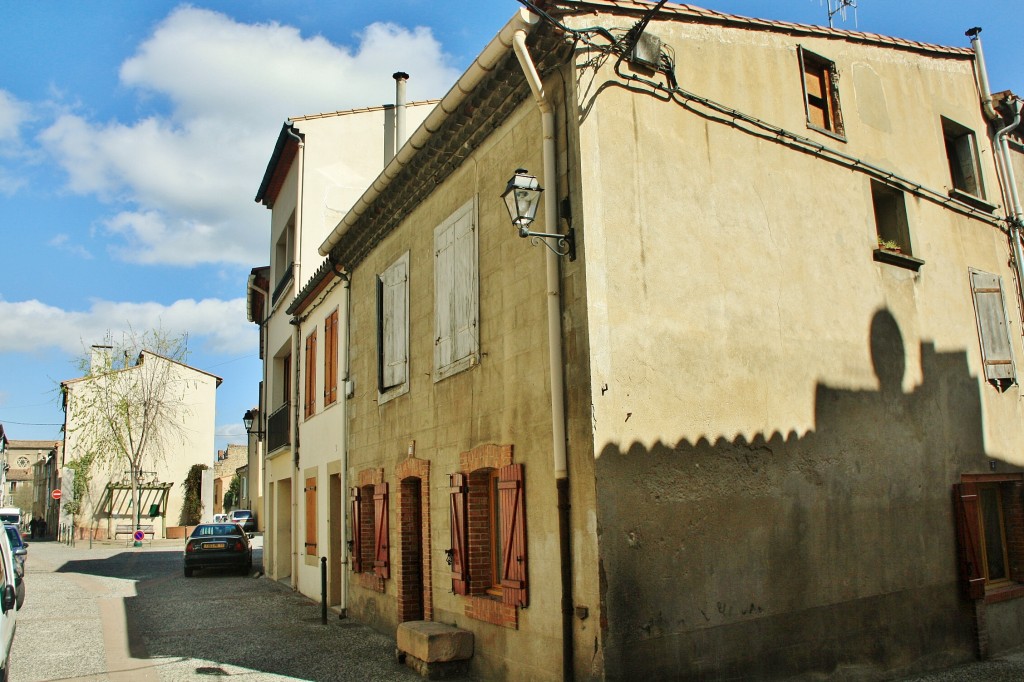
(993, 327)
(331, 358)
(393, 329)
(309, 405)
(990, 532)
(456, 332)
(821, 93)
(370, 530)
(890, 218)
(488, 534)
(310, 494)
(962, 154)
(283, 271)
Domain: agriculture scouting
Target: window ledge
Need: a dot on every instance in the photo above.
(898, 259)
(972, 201)
(994, 596)
(825, 131)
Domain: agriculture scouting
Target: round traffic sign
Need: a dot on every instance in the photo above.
(56, 494)
(139, 535)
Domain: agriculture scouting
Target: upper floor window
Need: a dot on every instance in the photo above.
(456, 328)
(821, 93)
(962, 154)
(393, 329)
(283, 259)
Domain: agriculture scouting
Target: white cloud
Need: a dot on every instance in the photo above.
(13, 114)
(63, 242)
(184, 181)
(31, 326)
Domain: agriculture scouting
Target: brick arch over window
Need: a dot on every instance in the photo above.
(414, 490)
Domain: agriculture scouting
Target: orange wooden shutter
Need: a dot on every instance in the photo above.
(310, 491)
(457, 494)
(310, 397)
(513, 535)
(357, 546)
(380, 528)
(965, 501)
(331, 358)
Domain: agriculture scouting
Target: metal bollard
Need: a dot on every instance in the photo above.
(323, 590)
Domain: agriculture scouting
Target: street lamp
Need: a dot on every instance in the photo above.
(522, 198)
(247, 419)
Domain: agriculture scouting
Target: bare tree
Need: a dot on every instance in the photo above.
(129, 407)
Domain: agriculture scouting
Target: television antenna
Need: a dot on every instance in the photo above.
(839, 7)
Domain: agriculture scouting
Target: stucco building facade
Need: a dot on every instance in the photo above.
(764, 423)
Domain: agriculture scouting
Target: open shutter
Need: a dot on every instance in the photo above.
(457, 494)
(357, 525)
(966, 160)
(993, 329)
(513, 535)
(444, 282)
(968, 527)
(394, 288)
(310, 491)
(310, 396)
(380, 527)
(465, 293)
(331, 358)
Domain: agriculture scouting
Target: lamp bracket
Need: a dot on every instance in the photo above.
(566, 243)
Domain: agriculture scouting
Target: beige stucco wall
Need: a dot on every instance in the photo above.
(777, 417)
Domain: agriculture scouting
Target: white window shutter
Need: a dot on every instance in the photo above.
(465, 311)
(993, 327)
(444, 276)
(395, 292)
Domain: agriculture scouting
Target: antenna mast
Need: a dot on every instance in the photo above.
(839, 7)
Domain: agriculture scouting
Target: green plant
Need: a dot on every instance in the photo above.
(889, 244)
(192, 507)
(231, 497)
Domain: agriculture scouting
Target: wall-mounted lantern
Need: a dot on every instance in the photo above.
(522, 198)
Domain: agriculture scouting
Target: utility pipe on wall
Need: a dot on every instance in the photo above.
(400, 80)
(556, 367)
(1002, 156)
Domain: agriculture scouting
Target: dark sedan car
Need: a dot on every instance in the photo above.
(218, 545)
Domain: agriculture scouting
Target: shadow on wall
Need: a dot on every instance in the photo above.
(776, 555)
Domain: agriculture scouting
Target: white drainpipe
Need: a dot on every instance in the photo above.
(400, 80)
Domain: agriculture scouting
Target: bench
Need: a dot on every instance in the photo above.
(129, 530)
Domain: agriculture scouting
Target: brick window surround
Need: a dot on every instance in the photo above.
(470, 508)
(413, 567)
(369, 530)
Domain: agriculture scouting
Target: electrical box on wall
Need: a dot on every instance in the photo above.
(646, 52)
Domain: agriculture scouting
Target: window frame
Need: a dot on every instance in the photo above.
(824, 71)
(964, 161)
(456, 292)
(972, 537)
(393, 330)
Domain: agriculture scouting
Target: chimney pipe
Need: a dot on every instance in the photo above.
(389, 133)
(400, 78)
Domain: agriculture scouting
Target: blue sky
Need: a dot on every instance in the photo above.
(134, 135)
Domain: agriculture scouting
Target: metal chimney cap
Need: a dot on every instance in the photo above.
(400, 76)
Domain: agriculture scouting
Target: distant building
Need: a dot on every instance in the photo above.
(225, 468)
(108, 500)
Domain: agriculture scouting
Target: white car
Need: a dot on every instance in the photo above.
(8, 612)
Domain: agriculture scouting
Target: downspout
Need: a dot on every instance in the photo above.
(297, 263)
(346, 306)
(556, 366)
(296, 339)
(1004, 163)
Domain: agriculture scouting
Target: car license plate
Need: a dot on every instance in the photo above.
(214, 545)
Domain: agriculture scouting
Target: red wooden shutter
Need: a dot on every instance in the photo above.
(513, 535)
(965, 501)
(331, 358)
(380, 527)
(457, 494)
(357, 546)
(310, 491)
